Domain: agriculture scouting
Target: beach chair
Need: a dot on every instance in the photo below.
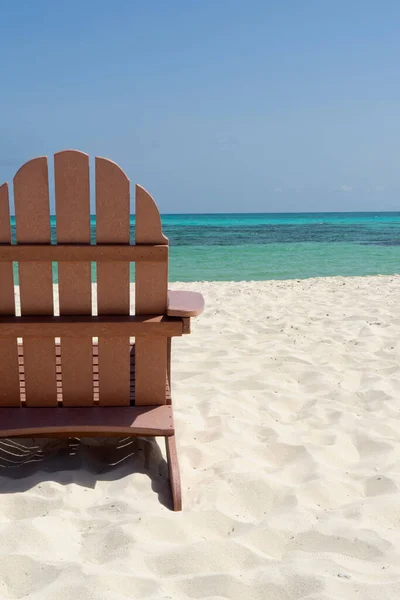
(68, 371)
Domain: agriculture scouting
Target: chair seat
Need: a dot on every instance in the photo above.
(104, 421)
(91, 420)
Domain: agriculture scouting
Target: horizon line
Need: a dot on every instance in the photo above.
(306, 212)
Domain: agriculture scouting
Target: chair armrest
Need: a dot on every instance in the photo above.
(184, 304)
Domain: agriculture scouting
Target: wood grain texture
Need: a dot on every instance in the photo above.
(95, 374)
(186, 325)
(145, 326)
(151, 290)
(83, 253)
(148, 221)
(113, 226)
(7, 302)
(32, 213)
(151, 358)
(169, 352)
(71, 173)
(9, 378)
(151, 294)
(90, 421)
(174, 474)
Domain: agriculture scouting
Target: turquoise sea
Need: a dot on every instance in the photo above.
(235, 247)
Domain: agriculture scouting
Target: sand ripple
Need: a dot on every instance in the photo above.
(287, 408)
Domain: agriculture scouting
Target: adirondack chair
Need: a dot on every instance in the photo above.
(72, 373)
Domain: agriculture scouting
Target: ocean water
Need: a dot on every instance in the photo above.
(237, 247)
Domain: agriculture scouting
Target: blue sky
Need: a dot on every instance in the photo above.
(212, 105)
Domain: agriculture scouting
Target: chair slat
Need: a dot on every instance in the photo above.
(32, 213)
(9, 378)
(151, 296)
(83, 253)
(112, 226)
(80, 326)
(151, 290)
(7, 302)
(71, 174)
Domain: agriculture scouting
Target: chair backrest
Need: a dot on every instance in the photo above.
(38, 372)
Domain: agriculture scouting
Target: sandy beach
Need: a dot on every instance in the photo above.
(287, 409)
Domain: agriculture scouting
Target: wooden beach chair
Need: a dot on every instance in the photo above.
(76, 373)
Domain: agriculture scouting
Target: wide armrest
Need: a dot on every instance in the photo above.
(184, 304)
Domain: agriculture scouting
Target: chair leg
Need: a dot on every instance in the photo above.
(169, 341)
(174, 475)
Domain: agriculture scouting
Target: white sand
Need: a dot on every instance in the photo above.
(287, 403)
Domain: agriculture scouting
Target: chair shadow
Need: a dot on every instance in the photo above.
(27, 462)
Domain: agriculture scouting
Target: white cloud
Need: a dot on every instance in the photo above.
(346, 188)
(278, 190)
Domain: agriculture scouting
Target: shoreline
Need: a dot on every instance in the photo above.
(258, 281)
